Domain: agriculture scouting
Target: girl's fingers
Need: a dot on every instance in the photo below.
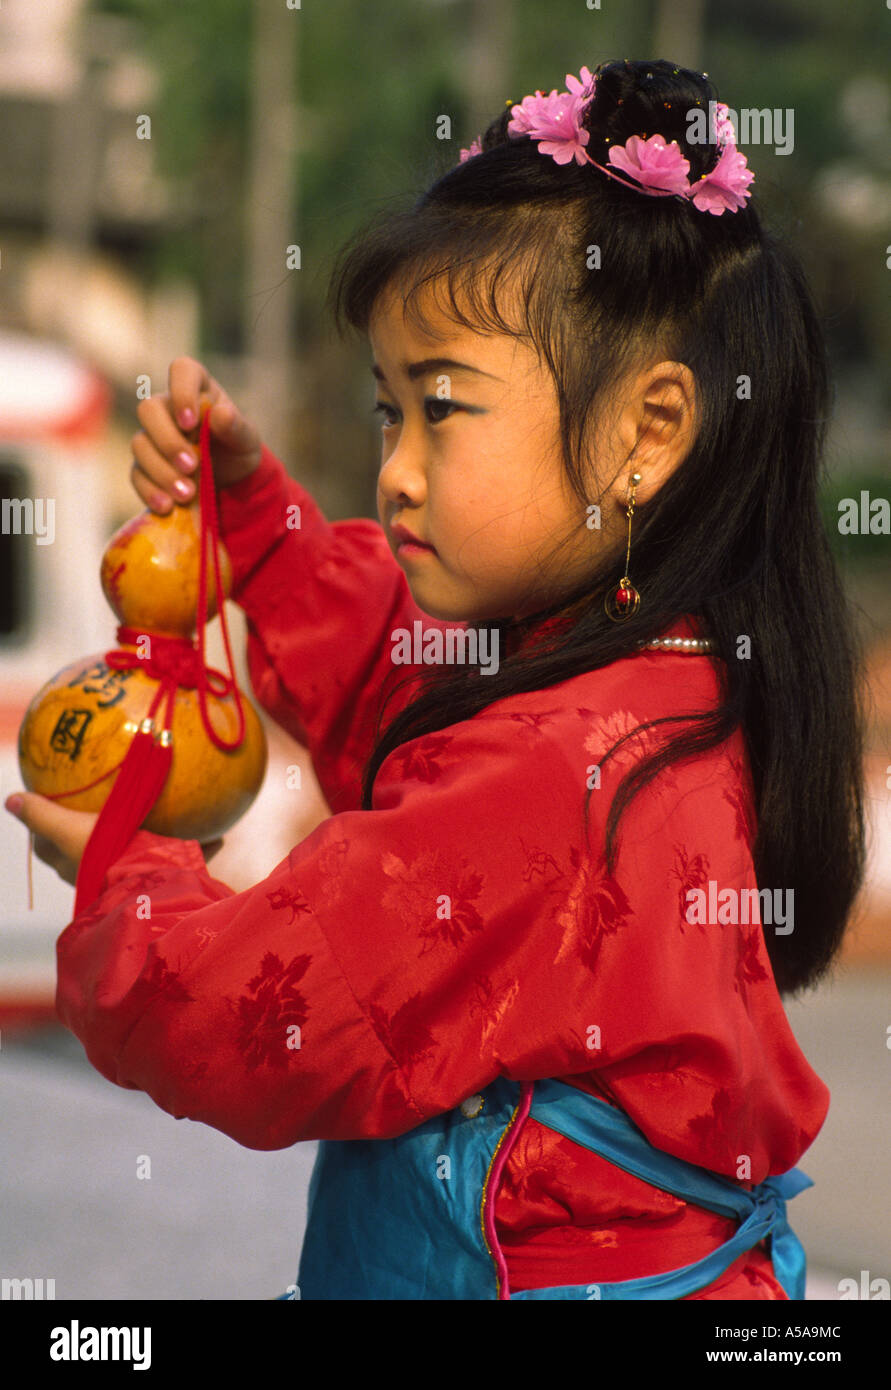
(158, 482)
(233, 431)
(164, 458)
(48, 854)
(236, 439)
(167, 444)
(60, 833)
(154, 499)
(187, 379)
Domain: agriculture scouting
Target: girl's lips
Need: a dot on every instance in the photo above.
(407, 542)
(414, 548)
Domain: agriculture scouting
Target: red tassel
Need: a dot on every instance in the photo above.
(136, 788)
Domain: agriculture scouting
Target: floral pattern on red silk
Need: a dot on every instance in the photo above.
(271, 1005)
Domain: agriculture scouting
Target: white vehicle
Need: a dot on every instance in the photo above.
(55, 518)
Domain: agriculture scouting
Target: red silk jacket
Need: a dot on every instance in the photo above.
(542, 966)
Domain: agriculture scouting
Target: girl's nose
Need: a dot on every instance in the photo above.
(401, 478)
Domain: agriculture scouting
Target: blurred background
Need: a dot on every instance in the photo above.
(160, 165)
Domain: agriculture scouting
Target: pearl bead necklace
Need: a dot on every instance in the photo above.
(691, 646)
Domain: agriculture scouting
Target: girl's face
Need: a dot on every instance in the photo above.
(471, 465)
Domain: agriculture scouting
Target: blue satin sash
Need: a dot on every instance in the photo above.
(402, 1218)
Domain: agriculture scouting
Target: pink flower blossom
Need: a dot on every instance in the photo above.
(653, 164)
(724, 132)
(555, 120)
(658, 168)
(726, 188)
(584, 83)
(524, 116)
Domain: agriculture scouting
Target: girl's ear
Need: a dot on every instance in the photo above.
(660, 420)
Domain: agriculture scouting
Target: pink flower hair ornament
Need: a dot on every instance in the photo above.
(657, 168)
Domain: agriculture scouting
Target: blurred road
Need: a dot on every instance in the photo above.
(214, 1220)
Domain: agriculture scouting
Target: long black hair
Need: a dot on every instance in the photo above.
(734, 536)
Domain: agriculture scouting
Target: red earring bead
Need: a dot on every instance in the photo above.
(623, 602)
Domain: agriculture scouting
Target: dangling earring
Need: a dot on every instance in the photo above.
(623, 602)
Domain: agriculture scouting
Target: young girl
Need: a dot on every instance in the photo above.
(521, 983)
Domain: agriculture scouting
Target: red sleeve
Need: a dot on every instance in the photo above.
(178, 987)
(321, 600)
(455, 933)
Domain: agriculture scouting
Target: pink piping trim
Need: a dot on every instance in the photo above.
(510, 1138)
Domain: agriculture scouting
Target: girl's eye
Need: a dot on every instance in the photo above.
(381, 408)
(430, 402)
(435, 403)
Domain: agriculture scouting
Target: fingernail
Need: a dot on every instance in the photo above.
(187, 462)
(15, 803)
(182, 488)
(187, 418)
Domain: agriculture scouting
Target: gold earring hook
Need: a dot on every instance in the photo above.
(623, 602)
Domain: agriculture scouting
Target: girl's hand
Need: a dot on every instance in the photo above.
(163, 455)
(61, 835)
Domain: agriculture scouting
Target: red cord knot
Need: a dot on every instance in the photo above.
(173, 659)
(175, 663)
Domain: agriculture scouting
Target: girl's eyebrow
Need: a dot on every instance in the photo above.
(432, 364)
